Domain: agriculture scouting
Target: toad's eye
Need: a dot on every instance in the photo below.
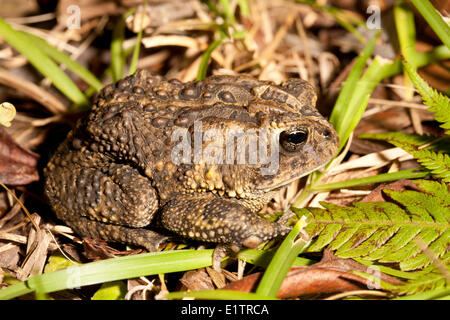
(293, 140)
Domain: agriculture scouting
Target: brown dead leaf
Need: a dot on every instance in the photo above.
(330, 275)
(392, 119)
(72, 252)
(400, 185)
(9, 255)
(436, 76)
(97, 249)
(217, 277)
(38, 243)
(196, 280)
(17, 165)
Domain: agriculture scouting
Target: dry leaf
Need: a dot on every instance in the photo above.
(400, 185)
(97, 249)
(330, 275)
(7, 113)
(17, 165)
(196, 280)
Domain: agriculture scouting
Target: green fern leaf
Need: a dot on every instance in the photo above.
(439, 103)
(385, 231)
(437, 163)
(403, 140)
(430, 278)
(434, 157)
(439, 190)
(423, 208)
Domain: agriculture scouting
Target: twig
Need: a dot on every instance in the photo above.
(358, 293)
(53, 104)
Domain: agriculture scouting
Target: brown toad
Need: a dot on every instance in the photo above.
(199, 159)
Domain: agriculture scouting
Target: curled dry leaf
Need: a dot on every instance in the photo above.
(7, 113)
(330, 275)
(18, 166)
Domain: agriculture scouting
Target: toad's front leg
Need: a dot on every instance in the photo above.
(212, 219)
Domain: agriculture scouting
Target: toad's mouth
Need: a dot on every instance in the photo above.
(280, 184)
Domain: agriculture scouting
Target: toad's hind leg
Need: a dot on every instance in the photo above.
(213, 219)
(113, 202)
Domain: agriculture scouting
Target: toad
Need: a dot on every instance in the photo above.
(199, 159)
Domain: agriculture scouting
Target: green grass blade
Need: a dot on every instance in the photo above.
(217, 295)
(63, 58)
(262, 258)
(349, 103)
(348, 110)
(348, 26)
(42, 63)
(391, 68)
(436, 54)
(229, 15)
(213, 8)
(203, 68)
(135, 57)
(282, 261)
(384, 177)
(112, 270)
(245, 8)
(406, 31)
(434, 19)
(387, 270)
(117, 54)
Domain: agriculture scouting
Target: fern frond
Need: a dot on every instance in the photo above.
(434, 157)
(439, 103)
(385, 231)
(438, 163)
(400, 139)
(439, 190)
(430, 278)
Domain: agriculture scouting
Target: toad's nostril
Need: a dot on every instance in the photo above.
(327, 133)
